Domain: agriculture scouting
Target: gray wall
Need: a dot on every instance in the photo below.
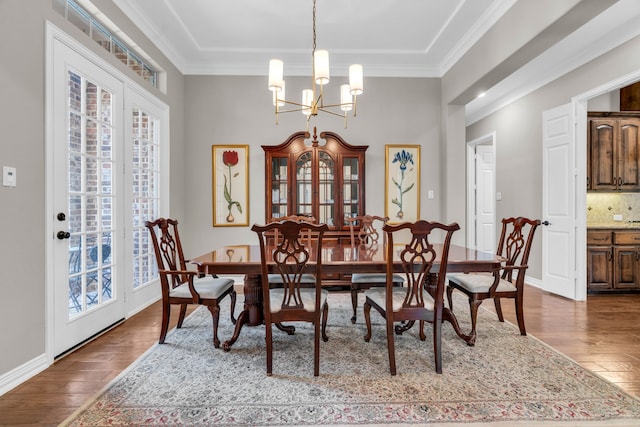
(22, 136)
(239, 110)
(518, 130)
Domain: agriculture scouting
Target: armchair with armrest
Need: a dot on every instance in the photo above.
(515, 243)
(181, 286)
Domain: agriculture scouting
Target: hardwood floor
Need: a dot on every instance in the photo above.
(602, 334)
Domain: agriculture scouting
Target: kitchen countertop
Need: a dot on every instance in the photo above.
(618, 225)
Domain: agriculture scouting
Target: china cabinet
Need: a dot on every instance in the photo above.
(320, 177)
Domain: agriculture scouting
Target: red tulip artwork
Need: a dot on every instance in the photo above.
(230, 159)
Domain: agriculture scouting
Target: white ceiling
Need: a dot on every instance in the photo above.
(391, 38)
(418, 38)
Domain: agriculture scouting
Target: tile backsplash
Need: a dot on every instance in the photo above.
(601, 207)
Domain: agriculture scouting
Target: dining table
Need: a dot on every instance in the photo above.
(337, 258)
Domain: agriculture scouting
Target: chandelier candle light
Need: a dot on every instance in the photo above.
(312, 99)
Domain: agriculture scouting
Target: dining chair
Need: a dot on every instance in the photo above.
(367, 238)
(421, 262)
(290, 298)
(515, 243)
(181, 286)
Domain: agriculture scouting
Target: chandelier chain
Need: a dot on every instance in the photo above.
(314, 28)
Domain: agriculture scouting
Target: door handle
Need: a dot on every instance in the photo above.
(63, 235)
(61, 216)
(545, 223)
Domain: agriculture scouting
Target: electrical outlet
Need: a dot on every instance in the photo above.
(617, 217)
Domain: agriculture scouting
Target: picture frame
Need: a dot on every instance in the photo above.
(230, 175)
(402, 183)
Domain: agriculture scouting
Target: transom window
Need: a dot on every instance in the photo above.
(102, 33)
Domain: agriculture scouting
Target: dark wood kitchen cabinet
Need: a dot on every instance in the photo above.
(599, 260)
(613, 151)
(613, 260)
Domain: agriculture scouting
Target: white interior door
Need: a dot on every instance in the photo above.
(485, 199)
(86, 121)
(558, 202)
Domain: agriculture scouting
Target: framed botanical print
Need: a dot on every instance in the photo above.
(230, 166)
(402, 183)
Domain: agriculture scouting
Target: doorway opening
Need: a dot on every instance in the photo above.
(481, 193)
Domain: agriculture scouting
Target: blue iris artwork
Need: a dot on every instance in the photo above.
(404, 158)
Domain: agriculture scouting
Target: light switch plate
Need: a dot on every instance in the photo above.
(8, 176)
(617, 217)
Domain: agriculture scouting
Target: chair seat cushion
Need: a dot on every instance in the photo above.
(306, 278)
(308, 296)
(378, 295)
(208, 287)
(480, 282)
(360, 278)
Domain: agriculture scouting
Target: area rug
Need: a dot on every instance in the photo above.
(506, 379)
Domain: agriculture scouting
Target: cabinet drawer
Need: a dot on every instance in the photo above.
(626, 237)
(599, 237)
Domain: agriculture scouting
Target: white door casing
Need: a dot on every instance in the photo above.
(558, 201)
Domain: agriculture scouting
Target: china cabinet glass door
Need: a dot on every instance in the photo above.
(350, 187)
(279, 187)
(304, 183)
(326, 199)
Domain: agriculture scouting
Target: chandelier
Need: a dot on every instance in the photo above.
(313, 99)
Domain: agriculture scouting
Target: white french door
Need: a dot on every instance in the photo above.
(107, 173)
(87, 153)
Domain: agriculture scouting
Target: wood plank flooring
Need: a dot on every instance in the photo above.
(602, 334)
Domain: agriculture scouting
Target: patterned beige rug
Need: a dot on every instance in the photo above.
(506, 379)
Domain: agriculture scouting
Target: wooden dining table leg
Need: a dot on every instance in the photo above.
(448, 316)
(252, 314)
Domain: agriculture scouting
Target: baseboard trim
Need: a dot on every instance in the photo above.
(533, 281)
(22, 373)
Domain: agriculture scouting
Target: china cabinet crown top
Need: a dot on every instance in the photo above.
(329, 141)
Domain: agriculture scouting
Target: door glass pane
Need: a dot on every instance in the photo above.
(146, 197)
(90, 195)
